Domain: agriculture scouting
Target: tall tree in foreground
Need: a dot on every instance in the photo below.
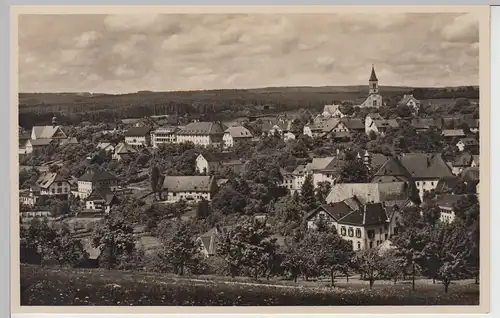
(335, 254)
(322, 191)
(39, 236)
(371, 264)
(354, 171)
(307, 192)
(114, 238)
(447, 251)
(181, 248)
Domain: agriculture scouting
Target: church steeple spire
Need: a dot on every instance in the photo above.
(373, 76)
(373, 82)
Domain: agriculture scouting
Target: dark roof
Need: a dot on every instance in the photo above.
(446, 184)
(469, 141)
(470, 174)
(462, 160)
(46, 179)
(423, 123)
(97, 175)
(373, 76)
(203, 128)
(335, 165)
(187, 183)
(393, 167)
(102, 193)
(137, 131)
(40, 142)
(353, 123)
(425, 165)
(336, 210)
(448, 200)
(369, 214)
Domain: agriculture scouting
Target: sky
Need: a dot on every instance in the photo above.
(165, 52)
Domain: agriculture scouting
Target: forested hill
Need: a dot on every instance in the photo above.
(70, 108)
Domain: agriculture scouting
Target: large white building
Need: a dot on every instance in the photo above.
(235, 134)
(164, 135)
(202, 133)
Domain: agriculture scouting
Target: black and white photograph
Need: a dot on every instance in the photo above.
(326, 158)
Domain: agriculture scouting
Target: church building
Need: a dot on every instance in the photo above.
(374, 99)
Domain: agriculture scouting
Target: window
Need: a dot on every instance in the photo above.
(59, 184)
(53, 190)
(358, 233)
(378, 242)
(432, 183)
(342, 231)
(371, 233)
(386, 236)
(359, 245)
(371, 244)
(374, 103)
(423, 183)
(350, 232)
(418, 183)
(374, 85)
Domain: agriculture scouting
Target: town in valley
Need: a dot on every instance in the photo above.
(332, 195)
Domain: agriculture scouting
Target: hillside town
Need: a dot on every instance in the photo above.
(380, 175)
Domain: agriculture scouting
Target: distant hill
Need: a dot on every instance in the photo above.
(38, 108)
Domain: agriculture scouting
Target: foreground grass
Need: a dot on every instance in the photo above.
(54, 286)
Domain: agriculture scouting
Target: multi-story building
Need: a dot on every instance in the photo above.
(202, 133)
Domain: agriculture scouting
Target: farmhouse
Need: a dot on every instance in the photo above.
(100, 200)
(96, 179)
(410, 101)
(376, 123)
(122, 151)
(211, 163)
(52, 184)
(189, 188)
(332, 111)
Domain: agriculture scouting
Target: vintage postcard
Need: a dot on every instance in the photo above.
(250, 159)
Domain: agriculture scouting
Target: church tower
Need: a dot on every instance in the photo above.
(373, 82)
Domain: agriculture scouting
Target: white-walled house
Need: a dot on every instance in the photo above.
(202, 133)
(164, 135)
(470, 144)
(122, 151)
(410, 101)
(235, 134)
(51, 184)
(376, 123)
(189, 188)
(332, 111)
(100, 200)
(138, 136)
(363, 225)
(96, 179)
(424, 170)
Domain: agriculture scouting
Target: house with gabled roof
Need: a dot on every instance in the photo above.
(423, 169)
(468, 144)
(202, 133)
(235, 134)
(211, 163)
(376, 123)
(364, 225)
(52, 184)
(100, 200)
(410, 101)
(138, 136)
(332, 111)
(96, 178)
(122, 151)
(460, 162)
(189, 188)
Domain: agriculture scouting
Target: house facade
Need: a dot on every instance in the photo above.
(202, 133)
(100, 200)
(94, 179)
(138, 136)
(52, 184)
(236, 134)
(189, 188)
(122, 151)
(410, 101)
(468, 144)
(164, 135)
(363, 225)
